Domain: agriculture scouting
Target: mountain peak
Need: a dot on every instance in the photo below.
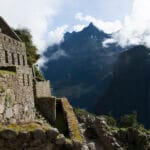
(92, 25)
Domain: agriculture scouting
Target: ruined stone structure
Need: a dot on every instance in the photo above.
(40, 85)
(21, 95)
(16, 86)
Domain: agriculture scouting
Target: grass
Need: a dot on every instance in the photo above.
(24, 127)
(7, 72)
(82, 112)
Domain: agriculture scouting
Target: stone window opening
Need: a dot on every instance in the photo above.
(23, 79)
(18, 58)
(28, 79)
(23, 58)
(6, 56)
(13, 58)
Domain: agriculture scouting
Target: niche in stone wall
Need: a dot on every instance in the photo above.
(23, 80)
(13, 58)
(6, 57)
(28, 80)
(8, 68)
(18, 59)
(23, 59)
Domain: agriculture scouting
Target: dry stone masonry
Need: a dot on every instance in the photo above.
(43, 89)
(19, 96)
(16, 86)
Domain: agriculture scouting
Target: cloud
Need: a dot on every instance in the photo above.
(36, 15)
(107, 27)
(106, 42)
(56, 55)
(79, 27)
(56, 36)
(136, 26)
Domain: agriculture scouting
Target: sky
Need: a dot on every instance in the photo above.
(127, 20)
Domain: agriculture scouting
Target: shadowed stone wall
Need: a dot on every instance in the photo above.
(47, 107)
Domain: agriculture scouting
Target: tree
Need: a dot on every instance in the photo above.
(32, 55)
(26, 37)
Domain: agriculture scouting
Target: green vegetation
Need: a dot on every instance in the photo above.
(7, 72)
(129, 120)
(32, 55)
(38, 73)
(110, 121)
(24, 127)
(81, 112)
(26, 37)
(72, 121)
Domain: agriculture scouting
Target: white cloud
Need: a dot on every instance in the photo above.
(56, 36)
(56, 55)
(41, 62)
(36, 15)
(106, 42)
(79, 27)
(136, 26)
(107, 27)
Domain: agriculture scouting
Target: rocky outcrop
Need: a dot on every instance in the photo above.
(101, 135)
(36, 139)
(133, 138)
(96, 131)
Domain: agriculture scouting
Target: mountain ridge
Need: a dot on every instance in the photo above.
(129, 87)
(87, 65)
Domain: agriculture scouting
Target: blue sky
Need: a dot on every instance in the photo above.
(127, 20)
(47, 18)
(106, 10)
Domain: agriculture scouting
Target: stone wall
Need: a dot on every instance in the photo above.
(16, 95)
(36, 139)
(12, 52)
(47, 107)
(43, 89)
(72, 122)
(16, 79)
(97, 131)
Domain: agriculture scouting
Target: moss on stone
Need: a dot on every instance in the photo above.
(7, 72)
(72, 120)
(25, 127)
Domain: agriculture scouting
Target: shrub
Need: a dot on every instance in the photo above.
(110, 120)
(129, 120)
